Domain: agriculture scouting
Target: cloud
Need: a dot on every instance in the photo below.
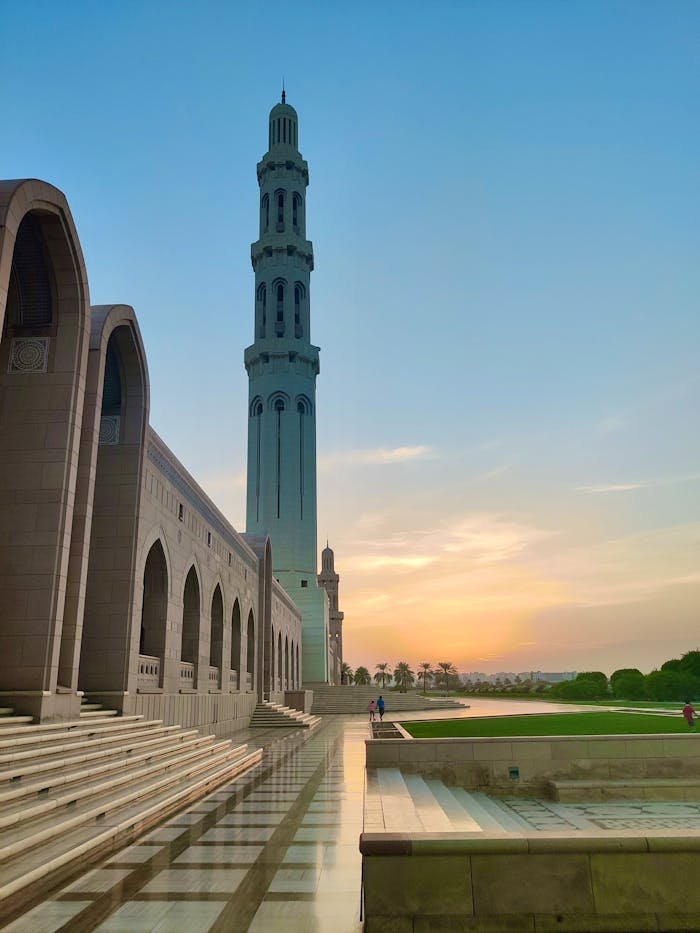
(219, 481)
(640, 484)
(376, 456)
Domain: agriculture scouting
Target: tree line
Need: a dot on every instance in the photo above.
(444, 674)
(677, 679)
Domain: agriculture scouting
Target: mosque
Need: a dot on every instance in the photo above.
(120, 579)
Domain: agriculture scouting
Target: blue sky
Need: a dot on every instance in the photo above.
(504, 210)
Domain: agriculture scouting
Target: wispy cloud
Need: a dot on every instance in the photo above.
(221, 481)
(377, 456)
(639, 484)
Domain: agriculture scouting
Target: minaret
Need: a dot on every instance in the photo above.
(282, 365)
(330, 581)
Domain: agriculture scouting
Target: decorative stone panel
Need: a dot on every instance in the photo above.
(28, 355)
(109, 429)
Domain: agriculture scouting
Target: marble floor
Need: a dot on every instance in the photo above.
(277, 849)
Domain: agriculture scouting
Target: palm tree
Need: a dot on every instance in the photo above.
(426, 673)
(362, 677)
(346, 674)
(383, 674)
(447, 670)
(404, 676)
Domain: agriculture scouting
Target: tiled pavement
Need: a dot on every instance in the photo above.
(274, 850)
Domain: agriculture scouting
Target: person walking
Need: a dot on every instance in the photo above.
(380, 707)
(372, 707)
(689, 714)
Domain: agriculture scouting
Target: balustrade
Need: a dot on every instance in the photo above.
(149, 672)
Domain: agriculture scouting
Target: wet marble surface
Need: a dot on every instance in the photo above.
(277, 849)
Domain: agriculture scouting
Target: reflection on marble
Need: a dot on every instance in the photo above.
(276, 850)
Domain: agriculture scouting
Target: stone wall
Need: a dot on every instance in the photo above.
(491, 764)
(541, 883)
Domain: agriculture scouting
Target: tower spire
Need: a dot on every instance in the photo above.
(284, 93)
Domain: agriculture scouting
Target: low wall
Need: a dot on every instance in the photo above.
(525, 765)
(299, 699)
(436, 883)
(220, 714)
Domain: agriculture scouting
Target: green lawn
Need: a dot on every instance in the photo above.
(554, 724)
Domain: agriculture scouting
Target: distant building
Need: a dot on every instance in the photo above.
(552, 677)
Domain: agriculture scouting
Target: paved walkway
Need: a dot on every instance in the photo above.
(274, 850)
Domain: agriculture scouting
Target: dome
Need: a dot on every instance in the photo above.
(284, 124)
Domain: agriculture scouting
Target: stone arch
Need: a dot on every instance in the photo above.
(112, 449)
(216, 638)
(287, 684)
(250, 650)
(191, 625)
(279, 661)
(273, 660)
(44, 328)
(298, 670)
(154, 607)
(236, 643)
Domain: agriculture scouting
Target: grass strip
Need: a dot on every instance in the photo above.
(603, 723)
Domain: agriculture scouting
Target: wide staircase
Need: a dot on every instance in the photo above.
(71, 792)
(268, 715)
(399, 802)
(339, 701)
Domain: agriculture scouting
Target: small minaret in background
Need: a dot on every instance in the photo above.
(282, 365)
(329, 580)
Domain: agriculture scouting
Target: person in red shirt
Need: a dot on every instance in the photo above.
(689, 714)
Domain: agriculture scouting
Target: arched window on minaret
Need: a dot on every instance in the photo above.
(296, 212)
(256, 410)
(279, 302)
(265, 213)
(278, 406)
(262, 302)
(299, 295)
(303, 410)
(279, 199)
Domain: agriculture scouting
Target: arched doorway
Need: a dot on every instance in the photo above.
(287, 684)
(44, 332)
(154, 617)
(111, 630)
(189, 652)
(250, 651)
(216, 644)
(236, 646)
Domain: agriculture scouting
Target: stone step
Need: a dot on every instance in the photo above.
(592, 791)
(428, 807)
(107, 745)
(460, 818)
(96, 712)
(28, 732)
(7, 721)
(397, 804)
(37, 823)
(46, 863)
(273, 715)
(62, 773)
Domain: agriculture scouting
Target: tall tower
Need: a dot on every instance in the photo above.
(282, 365)
(330, 581)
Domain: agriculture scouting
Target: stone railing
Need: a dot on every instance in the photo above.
(213, 677)
(187, 674)
(249, 682)
(149, 672)
(233, 680)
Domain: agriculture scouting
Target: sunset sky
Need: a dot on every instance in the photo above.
(504, 211)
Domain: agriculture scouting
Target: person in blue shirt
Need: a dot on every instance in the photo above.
(380, 707)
